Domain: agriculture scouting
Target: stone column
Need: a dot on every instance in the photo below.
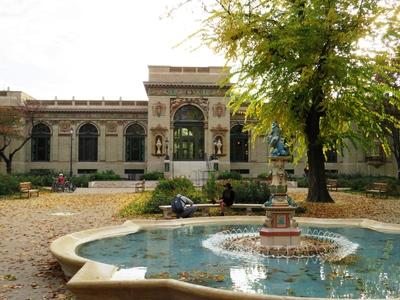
(102, 143)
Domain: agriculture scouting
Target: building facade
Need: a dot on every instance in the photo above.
(184, 122)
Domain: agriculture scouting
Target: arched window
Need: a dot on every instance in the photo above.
(189, 133)
(134, 143)
(239, 144)
(88, 142)
(40, 150)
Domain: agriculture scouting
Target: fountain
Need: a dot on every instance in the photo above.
(279, 228)
(232, 258)
(280, 235)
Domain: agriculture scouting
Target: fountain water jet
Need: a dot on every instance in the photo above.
(280, 236)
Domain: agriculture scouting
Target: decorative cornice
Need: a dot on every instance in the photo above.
(184, 84)
(185, 90)
(91, 110)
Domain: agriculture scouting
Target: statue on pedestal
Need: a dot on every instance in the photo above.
(276, 142)
(158, 146)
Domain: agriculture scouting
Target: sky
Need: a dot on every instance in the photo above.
(91, 49)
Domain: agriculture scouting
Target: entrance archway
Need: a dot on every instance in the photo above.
(188, 134)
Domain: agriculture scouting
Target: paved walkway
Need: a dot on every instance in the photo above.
(117, 190)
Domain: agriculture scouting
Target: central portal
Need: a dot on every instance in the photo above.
(189, 134)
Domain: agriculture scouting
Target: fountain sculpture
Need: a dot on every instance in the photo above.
(280, 235)
(280, 229)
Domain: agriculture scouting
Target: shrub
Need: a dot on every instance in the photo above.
(81, 181)
(302, 182)
(167, 189)
(104, 175)
(137, 206)
(38, 178)
(8, 184)
(264, 175)
(229, 175)
(249, 191)
(153, 176)
(359, 182)
(211, 190)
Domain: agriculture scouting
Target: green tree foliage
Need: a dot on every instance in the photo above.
(391, 76)
(310, 65)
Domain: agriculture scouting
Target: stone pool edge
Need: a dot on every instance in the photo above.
(91, 279)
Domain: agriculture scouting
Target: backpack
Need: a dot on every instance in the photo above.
(177, 205)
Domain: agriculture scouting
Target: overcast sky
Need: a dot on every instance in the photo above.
(92, 48)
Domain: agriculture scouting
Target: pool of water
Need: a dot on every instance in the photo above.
(373, 271)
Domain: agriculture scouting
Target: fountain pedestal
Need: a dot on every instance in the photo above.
(280, 229)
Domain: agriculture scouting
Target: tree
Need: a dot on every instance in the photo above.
(15, 131)
(391, 75)
(310, 66)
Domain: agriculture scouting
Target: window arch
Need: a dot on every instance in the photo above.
(40, 144)
(134, 143)
(88, 142)
(239, 144)
(189, 133)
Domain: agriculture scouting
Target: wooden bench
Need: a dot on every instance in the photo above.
(140, 186)
(377, 188)
(205, 208)
(26, 188)
(332, 184)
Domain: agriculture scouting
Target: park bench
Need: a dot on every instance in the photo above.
(377, 188)
(205, 208)
(26, 188)
(140, 186)
(332, 184)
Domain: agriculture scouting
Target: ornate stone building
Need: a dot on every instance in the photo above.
(184, 121)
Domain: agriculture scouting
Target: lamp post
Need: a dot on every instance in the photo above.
(70, 155)
(166, 149)
(166, 160)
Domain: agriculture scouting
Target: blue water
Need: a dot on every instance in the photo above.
(372, 272)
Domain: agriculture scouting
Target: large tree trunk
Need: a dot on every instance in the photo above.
(317, 191)
(396, 148)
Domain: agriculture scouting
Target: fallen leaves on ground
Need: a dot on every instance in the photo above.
(27, 228)
(348, 205)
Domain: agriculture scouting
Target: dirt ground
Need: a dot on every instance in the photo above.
(28, 226)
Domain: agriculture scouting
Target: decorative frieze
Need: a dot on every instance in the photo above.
(186, 92)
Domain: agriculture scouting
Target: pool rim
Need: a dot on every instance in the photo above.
(88, 275)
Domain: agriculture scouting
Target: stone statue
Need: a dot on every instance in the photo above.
(219, 146)
(158, 146)
(276, 142)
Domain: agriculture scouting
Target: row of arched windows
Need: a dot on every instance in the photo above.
(188, 142)
(88, 143)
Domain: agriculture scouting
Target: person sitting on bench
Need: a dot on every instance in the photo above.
(179, 207)
(228, 197)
